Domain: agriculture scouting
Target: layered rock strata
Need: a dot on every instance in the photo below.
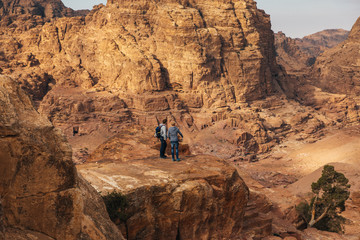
(317, 43)
(143, 47)
(299, 54)
(338, 69)
(201, 197)
(181, 57)
(12, 9)
(40, 190)
(290, 55)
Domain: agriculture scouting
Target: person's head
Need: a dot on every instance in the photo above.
(173, 124)
(165, 121)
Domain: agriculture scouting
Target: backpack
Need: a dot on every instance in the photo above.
(158, 131)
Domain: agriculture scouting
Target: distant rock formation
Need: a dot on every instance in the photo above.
(337, 70)
(201, 197)
(10, 9)
(298, 54)
(315, 44)
(41, 194)
(290, 55)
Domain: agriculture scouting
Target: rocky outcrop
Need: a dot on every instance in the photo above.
(290, 55)
(148, 61)
(40, 190)
(299, 54)
(142, 47)
(201, 197)
(314, 234)
(338, 69)
(317, 43)
(257, 219)
(12, 9)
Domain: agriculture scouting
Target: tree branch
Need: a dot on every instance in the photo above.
(312, 220)
(322, 215)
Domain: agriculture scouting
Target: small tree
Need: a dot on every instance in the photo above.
(116, 205)
(330, 193)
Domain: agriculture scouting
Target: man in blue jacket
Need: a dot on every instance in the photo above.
(174, 141)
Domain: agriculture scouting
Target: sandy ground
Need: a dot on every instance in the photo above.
(288, 171)
(300, 159)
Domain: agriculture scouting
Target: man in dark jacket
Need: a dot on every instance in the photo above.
(174, 141)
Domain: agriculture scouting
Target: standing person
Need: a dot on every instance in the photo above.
(163, 138)
(174, 141)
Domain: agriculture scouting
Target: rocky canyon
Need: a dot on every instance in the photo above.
(81, 93)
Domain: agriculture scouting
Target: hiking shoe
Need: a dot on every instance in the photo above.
(178, 160)
(173, 160)
(163, 157)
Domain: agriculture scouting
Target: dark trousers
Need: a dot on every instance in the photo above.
(163, 147)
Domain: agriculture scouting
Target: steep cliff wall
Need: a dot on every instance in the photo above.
(139, 61)
(299, 54)
(290, 55)
(218, 50)
(315, 44)
(338, 69)
(12, 9)
(201, 197)
(39, 186)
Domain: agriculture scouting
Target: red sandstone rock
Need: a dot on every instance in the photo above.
(298, 55)
(41, 193)
(315, 44)
(200, 197)
(338, 69)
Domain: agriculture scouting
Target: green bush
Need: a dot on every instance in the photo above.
(329, 195)
(116, 205)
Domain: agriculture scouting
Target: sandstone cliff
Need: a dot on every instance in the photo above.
(137, 62)
(207, 65)
(297, 55)
(12, 9)
(201, 197)
(40, 191)
(315, 44)
(338, 69)
(159, 46)
(290, 55)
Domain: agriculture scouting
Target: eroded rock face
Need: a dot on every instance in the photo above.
(299, 54)
(201, 197)
(39, 186)
(290, 55)
(315, 44)
(42, 8)
(159, 58)
(338, 69)
(141, 47)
